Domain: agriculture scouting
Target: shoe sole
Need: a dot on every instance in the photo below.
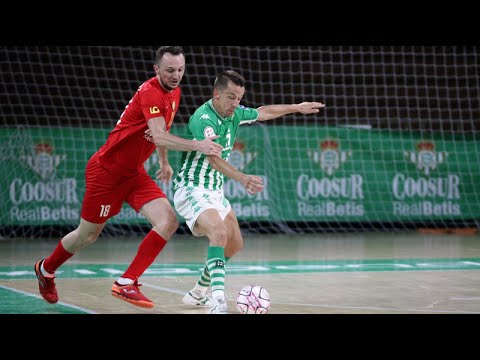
(218, 313)
(197, 304)
(142, 304)
(38, 274)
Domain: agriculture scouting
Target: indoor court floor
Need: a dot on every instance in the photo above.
(347, 273)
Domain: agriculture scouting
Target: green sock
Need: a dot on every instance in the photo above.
(216, 269)
(204, 281)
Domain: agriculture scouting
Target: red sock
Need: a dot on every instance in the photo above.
(148, 250)
(56, 259)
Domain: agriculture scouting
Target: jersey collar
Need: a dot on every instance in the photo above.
(224, 119)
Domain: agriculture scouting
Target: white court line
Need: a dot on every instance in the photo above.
(174, 291)
(39, 297)
(466, 298)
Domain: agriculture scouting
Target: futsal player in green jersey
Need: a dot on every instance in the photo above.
(199, 196)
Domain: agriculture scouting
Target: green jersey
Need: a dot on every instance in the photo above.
(206, 122)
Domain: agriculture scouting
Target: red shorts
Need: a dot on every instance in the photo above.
(106, 192)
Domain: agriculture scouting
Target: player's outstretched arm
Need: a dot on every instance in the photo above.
(253, 184)
(269, 112)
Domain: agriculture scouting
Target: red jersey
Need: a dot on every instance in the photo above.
(130, 144)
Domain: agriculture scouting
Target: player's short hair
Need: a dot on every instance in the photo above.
(221, 82)
(174, 50)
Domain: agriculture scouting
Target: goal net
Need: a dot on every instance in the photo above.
(396, 148)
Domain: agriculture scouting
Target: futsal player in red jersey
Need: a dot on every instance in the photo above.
(115, 174)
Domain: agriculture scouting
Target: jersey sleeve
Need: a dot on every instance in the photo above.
(152, 105)
(247, 115)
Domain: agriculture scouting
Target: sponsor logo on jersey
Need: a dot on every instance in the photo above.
(154, 110)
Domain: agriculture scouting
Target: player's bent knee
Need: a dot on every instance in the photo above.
(167, 226)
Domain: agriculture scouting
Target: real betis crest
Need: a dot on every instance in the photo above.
(426, 158)
(330, 157)
(43, 162)
(240, 158)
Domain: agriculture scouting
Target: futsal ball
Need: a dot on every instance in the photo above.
(253, 299)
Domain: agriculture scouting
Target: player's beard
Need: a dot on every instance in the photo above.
(168, 87)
